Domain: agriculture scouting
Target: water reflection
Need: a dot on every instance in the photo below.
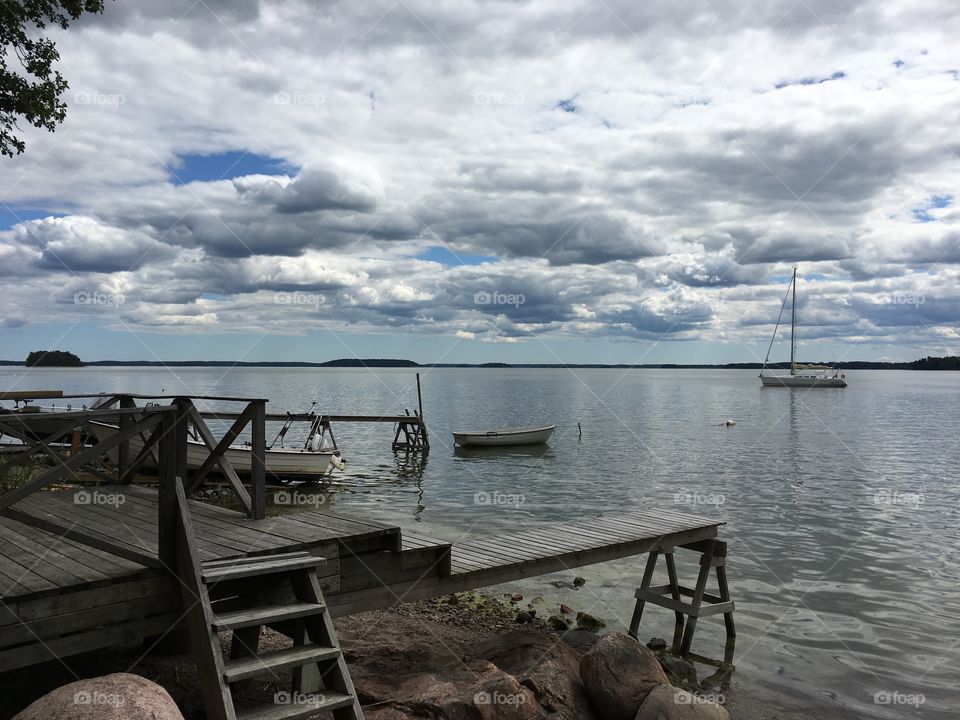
(516, 451)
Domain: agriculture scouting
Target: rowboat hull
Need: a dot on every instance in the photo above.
(281, 463)
(504, 437)
(803, 381)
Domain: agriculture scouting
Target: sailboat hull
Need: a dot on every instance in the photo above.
(802, 381)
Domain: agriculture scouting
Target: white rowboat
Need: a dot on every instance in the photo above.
(504, 436)
(286, 462)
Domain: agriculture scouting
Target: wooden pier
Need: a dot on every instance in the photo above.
(89, 567)
(64, 592)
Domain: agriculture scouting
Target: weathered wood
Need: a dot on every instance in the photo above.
(258, 461)
(217, 456)
(74, 463)
(30, 394)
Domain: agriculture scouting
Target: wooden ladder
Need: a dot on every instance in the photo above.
(316, 654)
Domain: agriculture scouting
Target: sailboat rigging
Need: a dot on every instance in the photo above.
(800, 375)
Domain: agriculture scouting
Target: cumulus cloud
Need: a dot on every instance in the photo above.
(500, 172)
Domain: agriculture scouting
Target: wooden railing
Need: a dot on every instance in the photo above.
(161, 431)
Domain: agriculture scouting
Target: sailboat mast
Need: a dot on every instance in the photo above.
(793, 324)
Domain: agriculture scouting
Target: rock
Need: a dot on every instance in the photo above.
(548, 668)
(538, 600)
(580, 639)
(657, 644)
(419, 669)
(618, 673)
(516, 597)
(562, 584)
(524, 617)
(120, 696)
(579, 581)
(589, 622)
(681, 672)
(558, 623)
(453, 600)
(566, 609)
(499, 697)
(670, 703)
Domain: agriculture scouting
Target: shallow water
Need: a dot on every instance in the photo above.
(841, 505)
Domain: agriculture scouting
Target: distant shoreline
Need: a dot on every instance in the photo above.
(949, 363)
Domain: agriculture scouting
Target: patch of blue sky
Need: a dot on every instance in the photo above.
(936, 202)
(225, 166)
(11, 215)
(447, 257)
(838, 75)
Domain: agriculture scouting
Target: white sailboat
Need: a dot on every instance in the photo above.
(802, 376)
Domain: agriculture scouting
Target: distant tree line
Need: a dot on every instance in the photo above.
(52, 358)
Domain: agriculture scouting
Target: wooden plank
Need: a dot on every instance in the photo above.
(87, 618)
(30, 394)
(149, 582)
(143, 552)
(102, 637)
(47, 561)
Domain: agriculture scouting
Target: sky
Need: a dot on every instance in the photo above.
(545, 181)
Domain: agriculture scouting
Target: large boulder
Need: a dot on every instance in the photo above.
(418, 669)
(618, 674)
(119, 696)
(549, 668)
(670, 703)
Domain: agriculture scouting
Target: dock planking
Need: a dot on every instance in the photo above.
(81, 576)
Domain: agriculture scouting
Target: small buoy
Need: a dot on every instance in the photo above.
(730, 423)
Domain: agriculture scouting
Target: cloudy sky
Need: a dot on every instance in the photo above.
(545, 181)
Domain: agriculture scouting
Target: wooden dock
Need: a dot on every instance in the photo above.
(79, 569)
(89, 567)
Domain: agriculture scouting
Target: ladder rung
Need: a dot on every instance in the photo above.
(242, 668)
(265, 615)
(241, 559)
(324, 701)
(266, 567)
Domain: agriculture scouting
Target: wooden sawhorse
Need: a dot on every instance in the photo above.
(713, 554)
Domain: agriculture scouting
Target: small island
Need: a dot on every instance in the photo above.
(52, 358)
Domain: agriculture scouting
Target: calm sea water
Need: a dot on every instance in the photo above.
(842, 506)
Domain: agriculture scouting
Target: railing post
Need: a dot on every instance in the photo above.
(173, 469)
(123, 452)
(258, 460)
